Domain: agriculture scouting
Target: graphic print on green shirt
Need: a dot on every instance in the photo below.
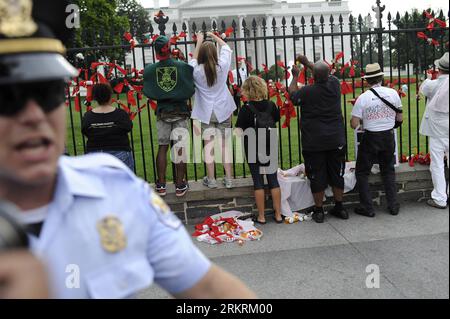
(167, 78)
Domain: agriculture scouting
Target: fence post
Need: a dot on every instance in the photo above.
(161, 20)
(379, 29)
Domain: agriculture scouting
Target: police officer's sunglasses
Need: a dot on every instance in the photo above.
(49, 95)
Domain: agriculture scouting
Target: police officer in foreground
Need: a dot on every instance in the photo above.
(102, 232)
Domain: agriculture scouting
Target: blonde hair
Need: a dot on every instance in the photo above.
(207, 55)
(255, 89)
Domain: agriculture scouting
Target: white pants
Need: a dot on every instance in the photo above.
(438, 149)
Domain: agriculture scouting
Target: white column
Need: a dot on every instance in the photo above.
(270, 53)
(241, 47)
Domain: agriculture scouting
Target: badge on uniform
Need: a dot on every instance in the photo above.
(112, 234)
(16, 20)
(165, 215)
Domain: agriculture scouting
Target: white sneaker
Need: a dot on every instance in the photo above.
(210, 183)
(228, 182)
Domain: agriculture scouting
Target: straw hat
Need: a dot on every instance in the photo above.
(442, 63)
(372, 71)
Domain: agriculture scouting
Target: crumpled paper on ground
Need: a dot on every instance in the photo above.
(226, 227)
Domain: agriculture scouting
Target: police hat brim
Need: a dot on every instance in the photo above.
(22, 68)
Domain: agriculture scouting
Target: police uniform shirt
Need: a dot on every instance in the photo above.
(107, 235)
(376, 115)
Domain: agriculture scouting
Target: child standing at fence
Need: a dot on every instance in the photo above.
(259, 114)
(213, 105)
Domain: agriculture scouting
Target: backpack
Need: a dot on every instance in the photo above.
(262, 119)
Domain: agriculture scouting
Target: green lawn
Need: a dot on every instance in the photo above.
(144, 132)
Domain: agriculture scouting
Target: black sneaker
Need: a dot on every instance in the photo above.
(361, 211)
(318, 215)
(161, 189)
(181, 189)
(339, 213)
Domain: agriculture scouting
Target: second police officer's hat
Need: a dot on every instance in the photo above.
(33, 34)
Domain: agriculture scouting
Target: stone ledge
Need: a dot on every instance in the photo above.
(413, 184)
(243, 187)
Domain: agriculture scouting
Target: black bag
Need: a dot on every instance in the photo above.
(398, 121)
(262, 119)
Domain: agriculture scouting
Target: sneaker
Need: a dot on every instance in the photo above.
(433, 204)
(361, 211)
(228, 183)
(181, 189)
(161, 189)
(318, 215)
(340, 213)
(210, 183)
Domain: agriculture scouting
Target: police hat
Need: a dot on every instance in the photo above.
(33, 35)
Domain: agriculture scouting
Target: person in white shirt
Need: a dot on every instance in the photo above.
(435, 125)
(378, 141)
(214, 104)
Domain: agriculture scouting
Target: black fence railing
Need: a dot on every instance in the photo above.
(407, 47)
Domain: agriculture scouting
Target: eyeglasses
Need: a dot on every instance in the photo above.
(49, 95)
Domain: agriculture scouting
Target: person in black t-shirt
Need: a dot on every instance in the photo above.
(255, 90)
(107, 127)
(323, 134)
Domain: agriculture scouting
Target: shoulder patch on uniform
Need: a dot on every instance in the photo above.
(165, 215)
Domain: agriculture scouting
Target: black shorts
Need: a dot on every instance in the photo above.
(325, 168)
(258, 178)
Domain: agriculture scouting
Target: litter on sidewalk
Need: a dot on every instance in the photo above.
(226, 227)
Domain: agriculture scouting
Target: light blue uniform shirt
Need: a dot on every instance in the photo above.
(155, 245)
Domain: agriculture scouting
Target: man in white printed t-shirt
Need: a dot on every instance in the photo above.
(378, 141)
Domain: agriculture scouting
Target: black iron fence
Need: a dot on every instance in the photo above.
(407, 47)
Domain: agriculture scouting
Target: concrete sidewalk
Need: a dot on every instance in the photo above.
(329, 260)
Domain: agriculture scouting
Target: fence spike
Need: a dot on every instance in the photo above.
(331, 19)
(244, 24)
(302, 21)
(312, 20)
(184, 27)
(214, 25)
(341, 20)
(150, 29)
(174, 28)
(204, 26)
(293, 21)
(254, 24)
(321, 19)
(283, 22)
(274, 23)
(194, 27)
(223, 26)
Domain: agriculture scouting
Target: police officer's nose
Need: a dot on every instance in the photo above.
(31, 114)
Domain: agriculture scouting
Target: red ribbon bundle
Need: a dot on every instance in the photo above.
(129, 38)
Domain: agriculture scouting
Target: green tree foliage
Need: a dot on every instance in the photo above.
(407, 48)
(137, 16)
(365, 48)
(100, 25)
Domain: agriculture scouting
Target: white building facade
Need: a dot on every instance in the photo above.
(259, 51)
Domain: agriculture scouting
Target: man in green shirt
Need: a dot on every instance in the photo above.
(170, 82)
